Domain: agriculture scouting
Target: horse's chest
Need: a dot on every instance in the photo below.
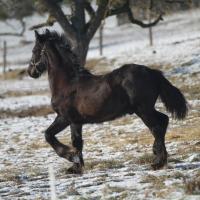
(63, 103)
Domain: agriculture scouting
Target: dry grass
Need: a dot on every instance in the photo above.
(99, 65)
(34, 172)
(14, 74)
(72, 190)
(103, 164)
(178, 175)
(192, 186)
(24, 93)
(146, 158)
(119, 143)
(122, 121)
(157, 182)
(190, 90)
(92, 63)
(188, 149)
(182, 133)
(162, 193)
(144, 138)
(33, 111)
(161, 66)
(38, 145)
(122, 193)
(13, 173)
(186, 133)
(10, 174)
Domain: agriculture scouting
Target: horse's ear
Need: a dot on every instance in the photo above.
(47, 32)
(37, 35)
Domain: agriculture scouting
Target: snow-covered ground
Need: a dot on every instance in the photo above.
(24, 102)
(118, 153)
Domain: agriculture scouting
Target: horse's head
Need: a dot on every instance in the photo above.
(52, 50)
(36, 67)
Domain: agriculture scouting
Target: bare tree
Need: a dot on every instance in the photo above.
(14, 9)
(79, 31)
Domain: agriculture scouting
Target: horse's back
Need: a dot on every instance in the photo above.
(97, 100)
(139, 75)
(139, 82)
(103, 98)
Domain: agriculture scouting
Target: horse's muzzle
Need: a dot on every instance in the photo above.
(33, 72)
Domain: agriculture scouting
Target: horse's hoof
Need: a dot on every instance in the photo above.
(158, 165)
(75, 169)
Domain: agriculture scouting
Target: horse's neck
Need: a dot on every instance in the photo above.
(59, 79)
(58, 82)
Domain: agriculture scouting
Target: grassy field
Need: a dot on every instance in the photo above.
(118, 154)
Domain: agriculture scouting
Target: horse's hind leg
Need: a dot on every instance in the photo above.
(77, 143)
(62, 150)
(157, 122)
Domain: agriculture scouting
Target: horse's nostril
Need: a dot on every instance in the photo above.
(32, 72)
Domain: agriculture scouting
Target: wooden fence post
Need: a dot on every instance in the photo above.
(150, 31)
(4, 57)
(101, 39)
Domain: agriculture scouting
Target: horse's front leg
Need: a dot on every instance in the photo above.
(62, 150)
(77, 143)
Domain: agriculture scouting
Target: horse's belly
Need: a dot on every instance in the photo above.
(89, 106)
(114, 110)
(89, 101)
(105, 108)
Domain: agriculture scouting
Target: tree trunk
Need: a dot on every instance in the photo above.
(4, 57)
(101, 39)
(78, 30)
(150, 31)
(81, 47)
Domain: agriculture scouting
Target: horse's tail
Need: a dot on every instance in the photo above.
(172, 98)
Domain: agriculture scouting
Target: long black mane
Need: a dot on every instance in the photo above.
(65, 50)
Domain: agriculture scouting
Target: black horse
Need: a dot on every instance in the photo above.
(79, 97)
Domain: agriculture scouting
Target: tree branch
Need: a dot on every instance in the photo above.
(89, 9)
(57, 12)
(138, 22)
(126, 9)
(95, 22)
(175, 1)
(50, 22)
(117, 11)
(151, 5)
(96, 17)
(34, 27)
(79, 18)
(11, 34)
(23, 24)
